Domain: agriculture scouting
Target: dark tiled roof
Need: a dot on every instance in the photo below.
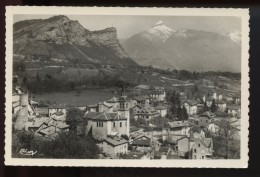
(116, 141)
(176, 124)
(191, 102)
(141, 98)
(104, 116)
(141, 142)
(160, 107)
(220, 102)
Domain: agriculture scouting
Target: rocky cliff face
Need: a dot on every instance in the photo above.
(61, 37)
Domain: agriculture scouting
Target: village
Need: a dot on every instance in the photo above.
(157, 123)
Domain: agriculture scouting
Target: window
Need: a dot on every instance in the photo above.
(199, 144)
(202, 157)
(195, 150)
(114, 124)
(120, 124)
(99, 124)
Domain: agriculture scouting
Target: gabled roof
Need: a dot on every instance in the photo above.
(133, 129)
(195, 129)
(141, 98)
(104, 116)
(191, 102)
(176, 124)
(160, 107)
(115, 141)
(145, 142)
(220, 102)
(36, 123)
(49, 130)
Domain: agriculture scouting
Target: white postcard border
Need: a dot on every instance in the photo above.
(243, 13)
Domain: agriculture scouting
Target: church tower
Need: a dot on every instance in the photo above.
(124, 111)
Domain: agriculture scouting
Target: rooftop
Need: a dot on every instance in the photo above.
(115, 141)
(138, 142)
(176, 124)
(104, 116)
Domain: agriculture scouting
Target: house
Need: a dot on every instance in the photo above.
(113, 145)
(176, 128)
(36, 125)
(222, 105)
(140, 100)
(233, 110)
(191, 106)
(229, 97)
(57, 108)
(16, 107)
(146, 113)
(213, 127)
(158, 94)
(103, 124)
(213, 94)
(49, 132)
(59, 116)
(24, 101)
(209, 101)
(203, 120)
(236, 99)
(201, 148)
(207, 83)
(41, 110)
(142, 144)
(196, 132)
(182, 147)
(100, 107)
(162, 110)
(162, 153)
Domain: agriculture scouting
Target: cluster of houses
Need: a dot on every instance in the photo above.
(108, 122)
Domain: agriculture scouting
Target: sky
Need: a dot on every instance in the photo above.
(128, 26)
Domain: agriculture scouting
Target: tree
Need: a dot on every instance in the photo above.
(74, 117)
(70, 146)
(213, 106)
(224, 144)
(184, 113)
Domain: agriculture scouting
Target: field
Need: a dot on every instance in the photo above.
(86, 97)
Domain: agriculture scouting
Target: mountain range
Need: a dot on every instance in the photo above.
(59, 37)
(160, 46)
(195, 50)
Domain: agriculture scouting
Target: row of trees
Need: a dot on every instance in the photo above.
(50, 82)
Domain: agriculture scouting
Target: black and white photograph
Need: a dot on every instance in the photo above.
(115, 86)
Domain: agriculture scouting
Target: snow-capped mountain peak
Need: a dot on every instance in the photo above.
(160, 30)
